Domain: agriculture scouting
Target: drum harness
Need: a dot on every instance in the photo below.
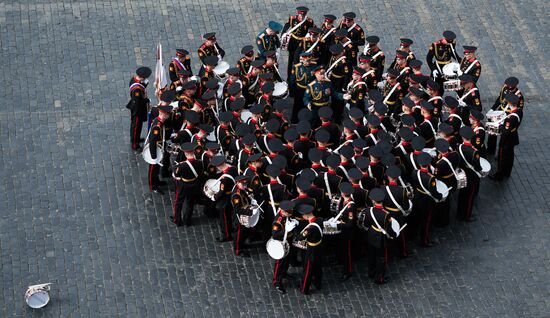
(466, 161)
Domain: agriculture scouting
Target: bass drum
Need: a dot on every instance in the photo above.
(452, 71)
(485, 167)
(277, 249)
(146, 154)
(250, 221)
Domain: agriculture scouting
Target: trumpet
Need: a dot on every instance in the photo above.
(285, 39)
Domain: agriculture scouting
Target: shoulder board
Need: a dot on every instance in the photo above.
(202, 46)
(357, 27)
(477, 63)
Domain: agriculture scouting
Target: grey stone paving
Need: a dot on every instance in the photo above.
(74, 204)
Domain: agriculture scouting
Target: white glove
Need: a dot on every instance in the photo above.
(195, 78)
(435, 73)
(333, 222)
(347, 96)
(253, 202)
(290, 226)
(461, 103)
(179, 88)
(173, 135)
(309, 106)
(146, 81)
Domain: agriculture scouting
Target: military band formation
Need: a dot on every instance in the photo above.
(361, 161)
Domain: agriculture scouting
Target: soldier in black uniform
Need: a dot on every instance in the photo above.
(157, 139)
(434, 98)
(244, 62)
(278, 229)
(222, 198)
(313, 263)
(469, 64)
(339, 75)
(376, 223)
(355, 32)
(182, 61)
(210, 47)
(301, 23)
(330, 180)
(369, 77)
(377, 56)
(272, 193)
(187, 175)
(405, 46)
(241, 201)
(350, 50)
(138, 104)
(428, 128)
(328, 125)
(478, 141)
(470, 164)
(470, 99)
(445, 170)
(327, 38)
(310, 44)
(393, 93)
(425, 197)
(346, 224)
(510, 86)
(443, 51)
(509, 138)
(397, 201)
(356, 90)
(454, 119)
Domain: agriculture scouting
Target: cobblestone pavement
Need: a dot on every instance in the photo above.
(74, 204)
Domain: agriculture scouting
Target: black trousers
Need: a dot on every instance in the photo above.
(376, 262)
(313, 268)
(224, 217)
(241, 234)
(154, 179)
(136, 125)
(491, 144)
(466, 196)
(505, 161)
(281, 267)
(186, 196)
(345, 253)
(421, 216)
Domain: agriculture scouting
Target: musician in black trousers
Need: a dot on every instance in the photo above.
(376, 223)
(508, 139)
(187, 175)
(425, 196)
(138, 104)
(313, 263)
(241, 202)
(395, 195)
(223, 197)
(470, 162)
(156, 139)
(278, 230)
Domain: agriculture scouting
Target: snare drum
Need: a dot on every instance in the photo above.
(37, 296)
(442, 188)
(485, 167)
(452, 71)
(300, 244)
(221, 68)
(495, 116)
(277, 249)
(329, 230)
(493, 128)
(461, 180)
(281, 90)
(452, 85)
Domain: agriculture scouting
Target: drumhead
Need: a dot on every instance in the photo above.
(246, 115)
(452, 69)
(221, 68)
(275, 249)
(38, 299)
(442, 188)
(485, 165)
(280, 88)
